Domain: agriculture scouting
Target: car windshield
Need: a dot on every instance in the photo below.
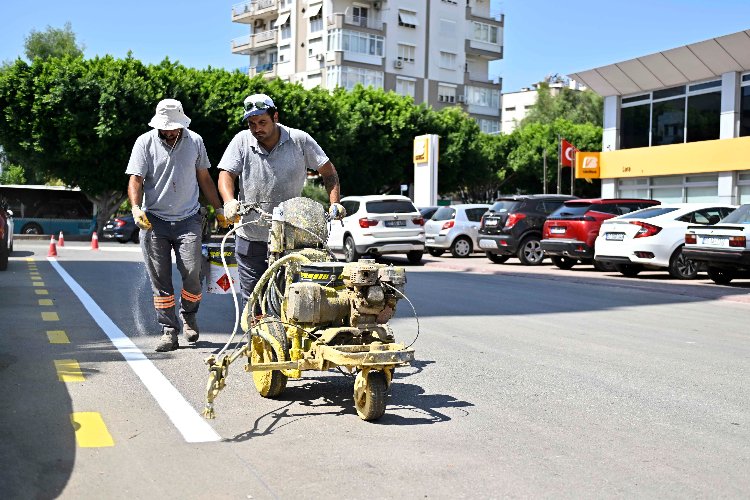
(390, 207)
(739, 216)
(648, 213)
(505, 206)
(572, 210)
(444, 213)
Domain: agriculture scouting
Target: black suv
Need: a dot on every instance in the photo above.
(513, 227)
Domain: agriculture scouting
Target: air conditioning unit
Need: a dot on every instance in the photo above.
(460, 99)
(320, 57)
(398, 64)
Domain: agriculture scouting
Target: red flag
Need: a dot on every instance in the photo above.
(566, 153)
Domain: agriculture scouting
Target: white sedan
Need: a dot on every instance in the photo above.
(652, 238)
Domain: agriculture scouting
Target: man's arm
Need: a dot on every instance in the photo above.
(331, 181)
(226, 185)
(208, 188)
(135, 190)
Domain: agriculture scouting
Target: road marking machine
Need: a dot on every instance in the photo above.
(310, 312)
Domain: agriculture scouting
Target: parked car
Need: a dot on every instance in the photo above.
(6, 235)
(723, 249)
(513, 227)
(454, 228)
(122, 229)
(427, 212)
(653, 238)
(570, 231)
(378, 225)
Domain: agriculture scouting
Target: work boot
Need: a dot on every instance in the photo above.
(190, 327)
(168, 341)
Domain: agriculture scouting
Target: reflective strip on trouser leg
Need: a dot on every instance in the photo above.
(191, 297)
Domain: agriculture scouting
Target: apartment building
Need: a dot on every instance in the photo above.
(516, 105)
(435, 51)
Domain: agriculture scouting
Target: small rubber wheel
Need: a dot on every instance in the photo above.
(271, 383)
(369, 395)
(563, 262)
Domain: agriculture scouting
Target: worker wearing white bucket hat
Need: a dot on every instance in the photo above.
(167, 168)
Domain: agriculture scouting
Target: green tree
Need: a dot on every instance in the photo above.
(52, 42)
(573, 105)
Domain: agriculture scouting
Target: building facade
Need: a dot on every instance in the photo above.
(677, 123)
(435, 51)
(516, 105)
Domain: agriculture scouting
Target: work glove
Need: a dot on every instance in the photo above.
(231, 209)
(223, 221)
(336, 211)
(140, 218)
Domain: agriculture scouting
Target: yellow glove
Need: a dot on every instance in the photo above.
(140, 218)
(223, 221)
(336, 211)
(230, 211)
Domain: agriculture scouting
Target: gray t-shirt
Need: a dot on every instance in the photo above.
(269, 178)
(170, 183)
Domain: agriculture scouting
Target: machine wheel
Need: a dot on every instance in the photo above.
(563, 262)
(530, 252)
(682, 268)
(4, 251)
(496, 258)
(435, 252)
(720, 276)
(629, 270)
(31, 228)
(350, 251)
(272, 383)
(369, 395)
(415, 256)
(461, 247)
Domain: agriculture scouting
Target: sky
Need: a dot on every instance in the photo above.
(541, 37)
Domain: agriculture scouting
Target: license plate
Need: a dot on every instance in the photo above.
(715, 241)
(557, 230)
(490, 222)
(395, 223)
(487, 244)
(614, 236)
(429, 240)
(109, 226)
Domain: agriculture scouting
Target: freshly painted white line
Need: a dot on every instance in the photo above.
(191, 425)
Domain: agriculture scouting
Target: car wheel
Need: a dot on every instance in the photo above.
(563, 262)
(496, 257)
(435, 252)
(350, 251)
(629, 270)
(461, 247)
(4, 254)
(415, 256)
(31, 228)
(720, 276)
(530, 252)
(681, 267)
(603, 266)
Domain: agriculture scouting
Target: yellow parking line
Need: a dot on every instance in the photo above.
(50, 316)
(68, 370)
(46, 302)
(35, 276)
(37, 283)
(91, 432)
(57, 337)
(41, 292)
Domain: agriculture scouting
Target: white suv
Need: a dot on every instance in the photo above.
(377, 225)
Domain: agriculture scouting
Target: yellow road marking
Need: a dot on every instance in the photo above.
(35, 276)
(57, 337)
(37, 283)
(91, 432)
(50, 316)
(46, 302)
(41, 292)
(68, 370)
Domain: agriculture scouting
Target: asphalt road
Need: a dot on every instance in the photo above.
(528, 382)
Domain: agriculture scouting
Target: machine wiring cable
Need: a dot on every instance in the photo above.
(412, 308)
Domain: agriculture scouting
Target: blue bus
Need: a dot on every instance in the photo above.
(49, 209)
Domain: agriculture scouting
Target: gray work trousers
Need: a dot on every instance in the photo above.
(157, 244)
(252, 262)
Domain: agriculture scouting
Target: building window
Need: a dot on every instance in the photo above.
(354, 41)
(348, 77)
(703, 116)
(745, 106)
(284, 26)
(635, 123)
(406, 86)
(315, 46)
(668, 122)
(480, 96)
(485, 33)
(407, 19)
(446, 94)
(406, 52)
(454, 2)
(703, 188)
(489, 126)
(447, 60)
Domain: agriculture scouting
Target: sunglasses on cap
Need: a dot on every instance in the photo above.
(261, 105)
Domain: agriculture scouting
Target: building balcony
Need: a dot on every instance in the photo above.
(247, 12)
(249, 44)
(341, 20)
(483, 49)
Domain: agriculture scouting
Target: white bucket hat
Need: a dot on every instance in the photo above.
(169, 116)
(257, 104)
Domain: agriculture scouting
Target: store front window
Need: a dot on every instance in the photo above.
(635, 124)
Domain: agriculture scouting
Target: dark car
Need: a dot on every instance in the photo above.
(570, 232)
(513, 227)
(6, 235)
(122, 229)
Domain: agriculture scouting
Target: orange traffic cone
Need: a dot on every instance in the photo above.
(60, 240)
(94, 241)
(52, 248)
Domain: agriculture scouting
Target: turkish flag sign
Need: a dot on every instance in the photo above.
(567, 150)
